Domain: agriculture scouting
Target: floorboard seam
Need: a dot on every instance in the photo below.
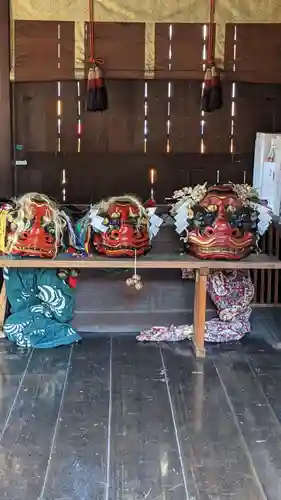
(108, 459)
(175, 425)
(273, 414)
(16, 397)
(243, 442)
(41, 497)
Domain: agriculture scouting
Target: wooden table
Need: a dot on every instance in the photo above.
(150, 261)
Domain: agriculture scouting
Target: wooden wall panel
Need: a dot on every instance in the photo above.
(217, 127)
(185, 116)
(44, 50)
(36, 116)
(42, 174)
(69, 117)
(186, 42)
(130, 174)
(257, 110)
(90, 177)
(229, 52)
(66, 50)
(121, 127)
(258, 52)
(5, 115)
(157, 116)
(121, 46)
(231, 168)
(125, 116)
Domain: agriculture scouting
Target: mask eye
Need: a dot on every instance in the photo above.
(28, 223)
(114, 222)
(132, 214)
(212, 208)
(231, 208)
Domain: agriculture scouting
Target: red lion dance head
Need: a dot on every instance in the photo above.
(125, 228)
(221, 221)
(32, 226)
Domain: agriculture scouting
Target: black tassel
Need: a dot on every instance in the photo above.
(206, 92)
(97, 99)
(216, 97)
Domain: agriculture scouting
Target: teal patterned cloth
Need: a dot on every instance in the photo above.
(41, 308)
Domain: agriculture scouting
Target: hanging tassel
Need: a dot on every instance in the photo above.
(206, 92)
(212, 98)
(135, 280)
(97, 99)
(215, 100)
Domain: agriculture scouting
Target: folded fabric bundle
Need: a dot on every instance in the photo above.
(42, 306)
(232, 294)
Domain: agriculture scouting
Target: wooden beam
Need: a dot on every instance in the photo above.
(200, 312)
(5, 108)
(152, 260)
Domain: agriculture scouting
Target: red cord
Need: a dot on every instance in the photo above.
(211, 33)
(91, 35)
(91, 31)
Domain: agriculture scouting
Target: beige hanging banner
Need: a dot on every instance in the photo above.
(79, 66)
(157, 11)
(149, 62)
(242, 11)
(113, 10)
(148, 12)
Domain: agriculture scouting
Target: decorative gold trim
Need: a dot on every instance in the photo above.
(149, 62)
(79, 50)
(220, 44)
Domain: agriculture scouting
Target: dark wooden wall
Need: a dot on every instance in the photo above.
(81, 156)
(5, 130)
(108, 155)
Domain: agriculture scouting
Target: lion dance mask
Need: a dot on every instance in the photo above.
(33, 225)
(221, 225)
(118, 227)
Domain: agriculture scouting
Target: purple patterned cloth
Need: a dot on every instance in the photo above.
(232, 294)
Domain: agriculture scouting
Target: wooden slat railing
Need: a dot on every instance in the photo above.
(266, 282)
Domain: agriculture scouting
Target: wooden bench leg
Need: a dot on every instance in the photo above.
(3, 307)
(200, 312)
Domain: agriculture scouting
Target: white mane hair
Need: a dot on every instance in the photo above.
(22, 207)
(104, 205)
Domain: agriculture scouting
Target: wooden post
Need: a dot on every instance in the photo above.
(5, 115)
(200, 311)
(3, 307)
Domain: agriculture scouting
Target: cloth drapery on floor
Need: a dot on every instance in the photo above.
(232, 294)
(41, 308)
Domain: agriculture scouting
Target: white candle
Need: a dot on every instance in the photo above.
(218, 176)
(244, 180)
(152, 176)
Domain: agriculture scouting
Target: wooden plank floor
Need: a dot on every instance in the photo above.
(111, 419)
